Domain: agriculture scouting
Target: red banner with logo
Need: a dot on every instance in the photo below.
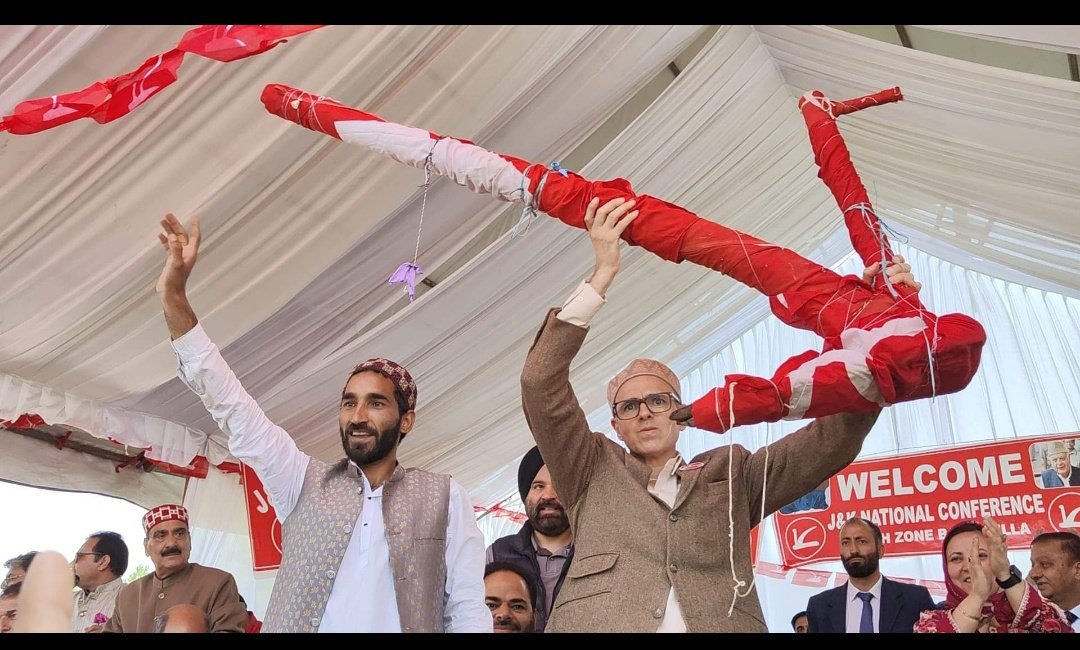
(263, 524)
(1028, 485)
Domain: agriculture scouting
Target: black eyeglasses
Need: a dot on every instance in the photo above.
(79, 555)
(656, 403)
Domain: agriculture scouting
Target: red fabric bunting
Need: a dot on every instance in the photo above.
(36, 115)
(24, 421)
(105, 101)
(231, 42)
(811, 578)
(130, 90)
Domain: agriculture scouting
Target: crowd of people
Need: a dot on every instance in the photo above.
(626, 537)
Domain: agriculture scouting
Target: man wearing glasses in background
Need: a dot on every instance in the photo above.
(651, 532)
(99, 565)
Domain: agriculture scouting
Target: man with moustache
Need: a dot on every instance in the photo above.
(175, 580)
(510, 593)
(869, 602)
(98, 566)
(545, 542)
(368, 545)
(1055, 572)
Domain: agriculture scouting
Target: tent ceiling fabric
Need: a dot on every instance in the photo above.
(302, 231)
(1061, 38)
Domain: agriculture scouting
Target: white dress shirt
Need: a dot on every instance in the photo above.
(1076, 624)
(582, 305)
(364, 599)
(855, 606)
(579, 309)
(86, 605)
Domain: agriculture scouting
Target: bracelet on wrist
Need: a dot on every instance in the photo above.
(966, 615)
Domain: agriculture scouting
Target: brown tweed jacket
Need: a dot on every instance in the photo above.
(630, 548)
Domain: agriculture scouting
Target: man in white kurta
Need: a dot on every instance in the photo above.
(335, 521)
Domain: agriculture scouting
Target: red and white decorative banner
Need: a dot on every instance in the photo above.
(104, 101)
(263, 524)
(499, 511)
(916, 498)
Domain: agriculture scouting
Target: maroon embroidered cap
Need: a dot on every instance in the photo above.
(401, 378)
(163, 513)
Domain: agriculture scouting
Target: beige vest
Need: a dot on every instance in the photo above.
(317, 532)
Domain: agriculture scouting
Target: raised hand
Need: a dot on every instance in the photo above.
(997, 544)
(45, 601)
(899, 272)
(182, 248)
(605, 226)
(982, 576)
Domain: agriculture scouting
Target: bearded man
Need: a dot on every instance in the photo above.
(368, 545)
(869, 602)
(545, 542)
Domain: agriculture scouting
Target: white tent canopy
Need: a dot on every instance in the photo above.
(979, 167)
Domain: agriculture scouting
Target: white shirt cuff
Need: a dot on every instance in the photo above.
(193, 345)
(581, 307)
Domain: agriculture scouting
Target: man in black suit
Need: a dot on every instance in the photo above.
(869, 602)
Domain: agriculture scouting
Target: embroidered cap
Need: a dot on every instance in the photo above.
(640, 367)
(401, 378)
(163, 513)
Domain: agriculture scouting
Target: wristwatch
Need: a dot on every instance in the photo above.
(1015, 578)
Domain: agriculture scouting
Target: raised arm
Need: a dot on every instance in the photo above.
(182, 250)
(253, 438)
(800, 461)
(552, 410)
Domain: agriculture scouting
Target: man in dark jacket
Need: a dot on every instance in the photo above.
(869, 602)
(545, 542)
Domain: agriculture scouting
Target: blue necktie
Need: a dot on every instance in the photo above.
(1070, 617)
(866, 623)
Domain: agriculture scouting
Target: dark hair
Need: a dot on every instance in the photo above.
(11, 590)
(1070, 543)
(21, 561)
(525, 573)
(112, 544)
(399, 397)
(963, 527)
(871, 525)
(797, 617)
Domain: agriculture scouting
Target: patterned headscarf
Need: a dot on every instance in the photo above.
(997, 604)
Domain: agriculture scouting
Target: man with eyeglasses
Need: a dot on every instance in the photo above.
(99, 565)
(175, 580)
(661, 545)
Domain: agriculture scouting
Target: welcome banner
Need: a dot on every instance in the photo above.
(1028, 485)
